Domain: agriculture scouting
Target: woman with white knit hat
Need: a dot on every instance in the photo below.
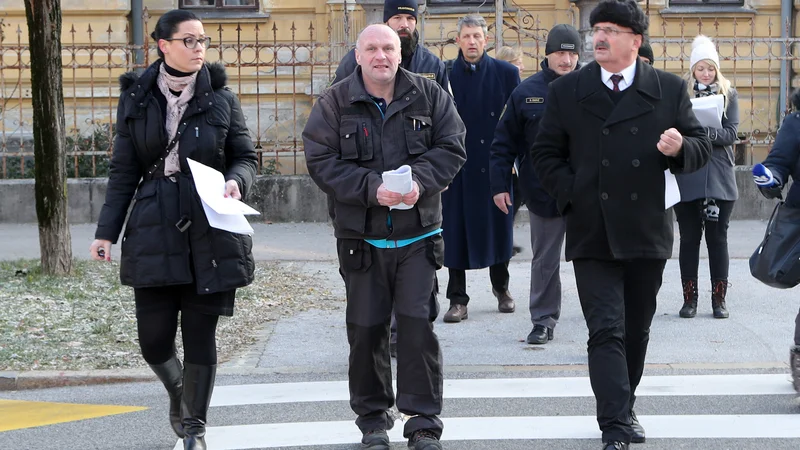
(708, 195)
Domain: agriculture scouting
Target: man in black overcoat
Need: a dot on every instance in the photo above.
(608, 134)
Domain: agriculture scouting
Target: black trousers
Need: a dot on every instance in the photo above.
(157, 311)
(376, 281)
(691, 226)
(457, 284)
(618, 299)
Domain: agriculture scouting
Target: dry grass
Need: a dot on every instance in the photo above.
(87, 321)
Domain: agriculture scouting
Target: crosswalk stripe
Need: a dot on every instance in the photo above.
(682, 385)
(240, 437)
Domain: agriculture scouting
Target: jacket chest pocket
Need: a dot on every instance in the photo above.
(355, 139)
(418, 133)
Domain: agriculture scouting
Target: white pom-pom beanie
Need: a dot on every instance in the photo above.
(703, 48)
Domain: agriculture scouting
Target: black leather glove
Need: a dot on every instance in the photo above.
(771, 192)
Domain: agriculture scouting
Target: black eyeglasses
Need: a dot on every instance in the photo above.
(191, 42)
(608, 30)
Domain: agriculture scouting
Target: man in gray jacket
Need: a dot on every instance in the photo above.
(380, 118)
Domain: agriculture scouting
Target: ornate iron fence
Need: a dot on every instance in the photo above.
(279, 72)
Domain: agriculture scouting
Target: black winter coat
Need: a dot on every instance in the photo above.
(213, 132)
(349, 143)
(783, 159)
(600, 161)
(515, 133)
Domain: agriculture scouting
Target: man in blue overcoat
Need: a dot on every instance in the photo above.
(476, 233)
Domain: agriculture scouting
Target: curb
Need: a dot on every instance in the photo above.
(18, 381)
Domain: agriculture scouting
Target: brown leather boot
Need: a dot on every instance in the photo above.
(719, 288)
(794, 363)
(689, 308)
(505, 303)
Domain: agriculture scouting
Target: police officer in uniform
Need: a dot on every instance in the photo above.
(513, 138)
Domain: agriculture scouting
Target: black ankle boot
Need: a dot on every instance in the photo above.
(198, 383)
(719, 288)
(171, 374)
(689, 308)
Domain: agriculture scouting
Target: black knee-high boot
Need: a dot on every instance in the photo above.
(198, 384)
(171, 374)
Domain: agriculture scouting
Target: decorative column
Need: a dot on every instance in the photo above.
(585, 7)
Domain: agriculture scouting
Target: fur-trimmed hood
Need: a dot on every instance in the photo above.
(216, 72)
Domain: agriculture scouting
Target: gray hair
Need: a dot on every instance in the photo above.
(473, 20)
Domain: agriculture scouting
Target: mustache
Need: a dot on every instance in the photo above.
(601, 45)
(404, 30)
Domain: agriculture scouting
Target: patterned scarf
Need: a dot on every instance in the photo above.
(701, 90)
(176, 106)
(709, 209)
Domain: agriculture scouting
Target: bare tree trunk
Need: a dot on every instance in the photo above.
(49, 137)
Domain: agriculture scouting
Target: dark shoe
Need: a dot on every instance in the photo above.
(198, 384)
(615, 445)
(719, 289)
(171, 375)
(505, 303)
(689, 308)
(637, 435)
(393, 349)
(456, 314)
(540, 335)
(794, 363)
(424, 440)
(375, 440)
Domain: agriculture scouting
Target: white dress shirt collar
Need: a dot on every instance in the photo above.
(627, 77)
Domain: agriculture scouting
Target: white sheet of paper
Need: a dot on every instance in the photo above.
(672, 194)
(399, 180)
(222, 213)
(235, 223)
(708, 110)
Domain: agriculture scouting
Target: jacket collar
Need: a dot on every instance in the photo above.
(592, 94)
(358, 93)
(138, 88)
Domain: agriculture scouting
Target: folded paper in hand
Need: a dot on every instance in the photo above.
(399, 180)
(708, 110)
(224, 213)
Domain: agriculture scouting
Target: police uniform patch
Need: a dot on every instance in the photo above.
(430, 76)
(567, 46)
(534, 100)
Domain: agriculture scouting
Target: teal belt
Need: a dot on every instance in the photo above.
(386, 243)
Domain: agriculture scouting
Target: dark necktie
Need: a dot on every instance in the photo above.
(616, 79)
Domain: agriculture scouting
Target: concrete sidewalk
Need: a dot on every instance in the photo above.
(314, 241)
(757, 335)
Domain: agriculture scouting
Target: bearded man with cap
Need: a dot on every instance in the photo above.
(513, 138)
(401, 16)
(609, 133)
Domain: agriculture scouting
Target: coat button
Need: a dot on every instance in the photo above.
(352, 98)
(481, 141)
(492, 113)
(604, 196)
(605, 163)
(407, 99)
(635, 163)
(634, 196)
(413, 92)
(483, 170)
(605, 131)
(634, 130)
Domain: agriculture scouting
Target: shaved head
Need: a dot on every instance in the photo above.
(377, 29)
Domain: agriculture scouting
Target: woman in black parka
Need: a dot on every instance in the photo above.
(178, 108)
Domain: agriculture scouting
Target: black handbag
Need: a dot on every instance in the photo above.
(776, 261)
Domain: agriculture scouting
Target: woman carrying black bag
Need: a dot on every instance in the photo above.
(178, 108)
(782, 161)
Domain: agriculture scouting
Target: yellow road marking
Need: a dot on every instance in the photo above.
(18, 414)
